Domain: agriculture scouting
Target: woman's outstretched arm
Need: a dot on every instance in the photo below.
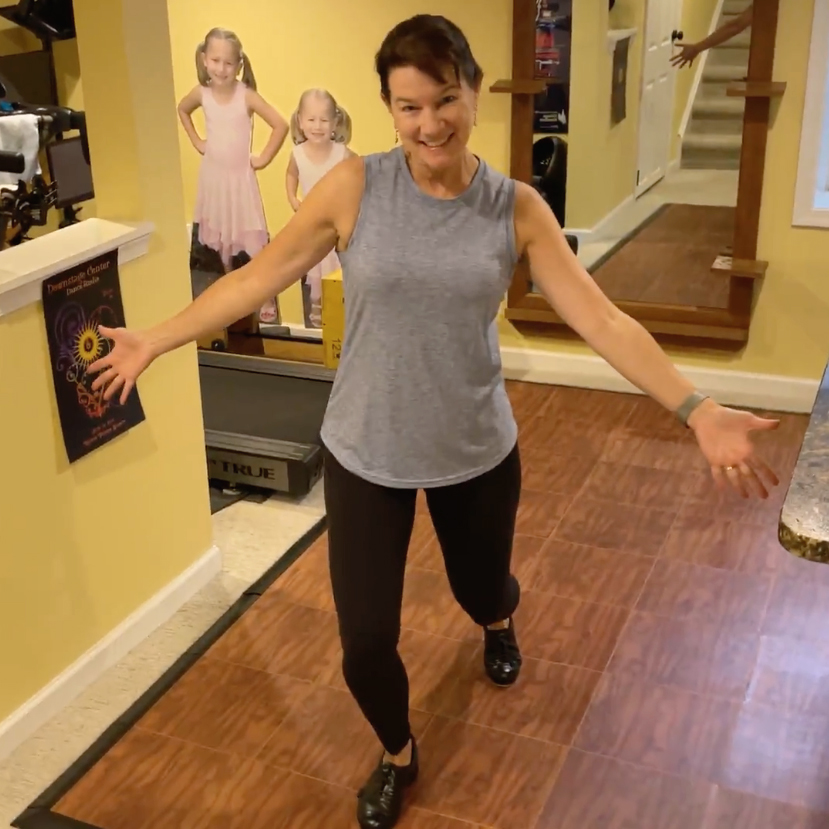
(319, 224)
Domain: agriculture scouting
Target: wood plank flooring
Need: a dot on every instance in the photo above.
(676, 665)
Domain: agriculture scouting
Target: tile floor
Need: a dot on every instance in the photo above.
(675, 668)
(251, 537)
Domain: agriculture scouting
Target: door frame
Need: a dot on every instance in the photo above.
(641, 189)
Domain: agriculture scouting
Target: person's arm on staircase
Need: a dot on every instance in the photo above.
(689, 51)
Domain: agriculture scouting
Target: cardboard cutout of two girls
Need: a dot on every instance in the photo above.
(229, 226)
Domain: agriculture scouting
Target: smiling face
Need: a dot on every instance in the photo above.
(221, 61)
(316, 119)
(434, 120)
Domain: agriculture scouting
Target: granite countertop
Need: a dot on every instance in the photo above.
(804, 520)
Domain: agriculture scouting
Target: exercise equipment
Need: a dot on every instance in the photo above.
(262, 421)
(549, 173)
(27, 204)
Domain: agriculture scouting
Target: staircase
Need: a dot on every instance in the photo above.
(713, 138)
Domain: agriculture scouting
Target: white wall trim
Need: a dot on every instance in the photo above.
(23, 268)
(811, 199)
(692, 95)
(110, 650)
(586, 235)
(614, 36)
(303, 331)
(732, 388)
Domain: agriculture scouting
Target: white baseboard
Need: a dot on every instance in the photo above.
(302, 331)
(732, 388)
(64, 688)
(592, 234)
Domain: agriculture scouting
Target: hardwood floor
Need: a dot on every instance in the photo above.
(676, 668)
(669, 259)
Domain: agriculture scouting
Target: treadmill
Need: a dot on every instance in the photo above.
(262, 421)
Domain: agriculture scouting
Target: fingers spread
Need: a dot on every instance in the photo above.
(99, 364)
(718, 475)
(113, 387)
(764, 471)
(103, 379)
(126, 392)
(735, 478)
(752, 481)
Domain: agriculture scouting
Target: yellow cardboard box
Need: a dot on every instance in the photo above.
(333, 318)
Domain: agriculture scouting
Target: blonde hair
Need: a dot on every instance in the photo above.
(224, 34)
(341, 132)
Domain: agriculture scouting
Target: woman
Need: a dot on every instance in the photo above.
(428, 236)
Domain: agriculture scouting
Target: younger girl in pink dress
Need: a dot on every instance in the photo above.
(229, 218)
(320, 130)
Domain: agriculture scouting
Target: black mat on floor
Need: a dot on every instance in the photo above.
(39, 814)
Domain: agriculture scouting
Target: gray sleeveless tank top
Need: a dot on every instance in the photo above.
(419, 398)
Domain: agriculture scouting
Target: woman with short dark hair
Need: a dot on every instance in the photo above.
(428, 236)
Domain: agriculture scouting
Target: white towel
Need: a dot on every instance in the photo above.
(19, 134)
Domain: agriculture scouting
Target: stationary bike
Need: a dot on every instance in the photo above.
(27, 205)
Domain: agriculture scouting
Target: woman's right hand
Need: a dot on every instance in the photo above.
(130, 354)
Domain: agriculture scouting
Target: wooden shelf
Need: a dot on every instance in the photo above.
(755, 89)
(728, 266)
(531, 86)
(685, 326)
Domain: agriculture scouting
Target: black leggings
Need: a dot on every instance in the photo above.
(369, 528)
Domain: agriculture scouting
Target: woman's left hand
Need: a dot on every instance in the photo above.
(724, 436)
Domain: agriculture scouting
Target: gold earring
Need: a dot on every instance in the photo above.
(396, 137)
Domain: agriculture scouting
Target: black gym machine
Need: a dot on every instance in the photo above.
(27, 204)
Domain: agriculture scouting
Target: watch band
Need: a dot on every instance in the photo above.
(689, 405)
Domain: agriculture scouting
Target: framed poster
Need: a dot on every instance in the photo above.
(75, 302)
(553, 27)
(553, 34)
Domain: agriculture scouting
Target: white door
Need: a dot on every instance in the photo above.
(656, 108)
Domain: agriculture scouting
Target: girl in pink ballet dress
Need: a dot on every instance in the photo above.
(229, 218)
(321, 130)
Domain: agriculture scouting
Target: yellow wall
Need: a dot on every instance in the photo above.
(602, 158)
(293, 46)
(790, 334)
(83, 546)
(696, 22)
(790, 331)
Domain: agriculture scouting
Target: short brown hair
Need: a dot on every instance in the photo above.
(431, 44)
